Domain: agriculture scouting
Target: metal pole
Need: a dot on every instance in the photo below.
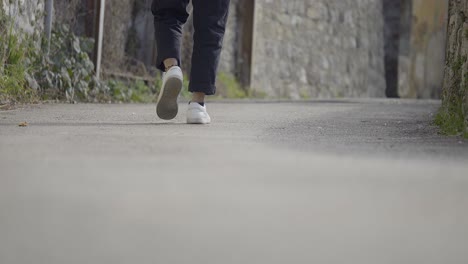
(49, 10)
(101, 7)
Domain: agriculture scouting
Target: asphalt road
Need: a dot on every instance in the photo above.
(346, 181)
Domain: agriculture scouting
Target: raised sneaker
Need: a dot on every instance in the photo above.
(167, 106)
(196, 114)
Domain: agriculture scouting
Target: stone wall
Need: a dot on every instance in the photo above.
(454, 112)
(319, 48)
(27, 13)
(117, 23)
(422, 57)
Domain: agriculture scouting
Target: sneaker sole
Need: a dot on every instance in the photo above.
(198, 122)
(167, 107)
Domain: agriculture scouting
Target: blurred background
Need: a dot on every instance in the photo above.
(284, 49)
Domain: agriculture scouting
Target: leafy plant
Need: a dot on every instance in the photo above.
(67, 72)
(14, 51)
(27, 71)
(131, 92)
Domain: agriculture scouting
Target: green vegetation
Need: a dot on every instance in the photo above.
(228, 87)
(451, 120)
(453, 115)
(67, 73)
(304, 95)
(185, 92)
(130, 92)
(14, 79)
(28, 73)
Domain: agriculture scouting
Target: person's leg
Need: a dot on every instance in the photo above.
(209, 20)
(169, 17)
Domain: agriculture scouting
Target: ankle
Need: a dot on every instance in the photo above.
(169, 63)
(198, 97)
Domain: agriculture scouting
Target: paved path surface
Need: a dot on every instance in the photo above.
(304, 182)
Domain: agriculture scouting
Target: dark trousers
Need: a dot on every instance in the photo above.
(209, 21)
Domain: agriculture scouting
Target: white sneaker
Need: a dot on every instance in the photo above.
(167, 106)
(196, 114)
